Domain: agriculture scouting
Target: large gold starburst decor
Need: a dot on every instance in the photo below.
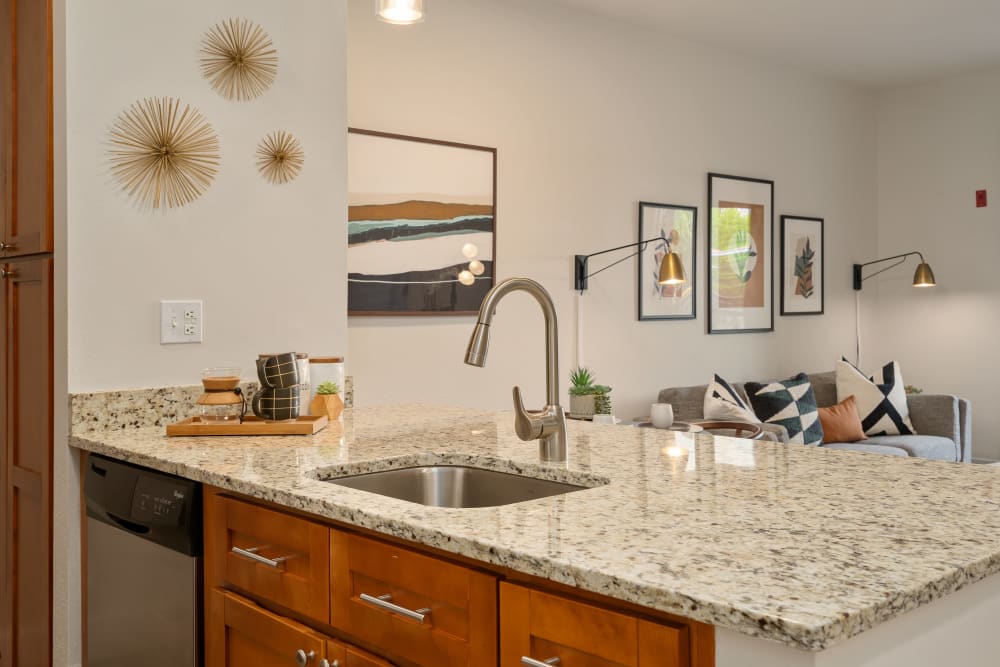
(238, 59)
(279, 157)
(163, 154)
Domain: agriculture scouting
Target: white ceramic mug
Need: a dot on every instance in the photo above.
(605, 419)
(662, 415)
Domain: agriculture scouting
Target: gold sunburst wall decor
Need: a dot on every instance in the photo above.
(163, 153)
(279, 157)
(238, 59)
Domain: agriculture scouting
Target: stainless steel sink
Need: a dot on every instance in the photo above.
(455, 486)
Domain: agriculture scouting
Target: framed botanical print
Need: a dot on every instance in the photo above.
(672, 228)
(421, 225)
(740, 254)
(802, 265)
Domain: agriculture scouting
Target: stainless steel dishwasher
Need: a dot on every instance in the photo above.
(144, 569)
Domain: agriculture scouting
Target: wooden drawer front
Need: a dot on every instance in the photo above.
(345, 655)
(460, 626)
(241, 634)
(543, 626)
(299, 579)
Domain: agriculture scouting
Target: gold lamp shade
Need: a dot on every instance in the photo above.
(672, 270)
(923, 276)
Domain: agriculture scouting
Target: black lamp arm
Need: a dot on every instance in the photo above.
(580, 261)
(858, 279)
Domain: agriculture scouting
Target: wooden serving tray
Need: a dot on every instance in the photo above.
(250, 426)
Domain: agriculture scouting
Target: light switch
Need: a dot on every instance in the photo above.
(180, 322)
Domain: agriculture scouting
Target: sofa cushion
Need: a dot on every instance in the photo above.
(881, 399)
(924, 446)
(790, 403)
(723, 402)
(824, 388)
(688, 402)
(871, 449)
(841, 422)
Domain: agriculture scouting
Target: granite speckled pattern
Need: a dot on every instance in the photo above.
(800, 545)
(133, 408)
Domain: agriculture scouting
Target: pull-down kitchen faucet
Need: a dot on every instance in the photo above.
(547, 425)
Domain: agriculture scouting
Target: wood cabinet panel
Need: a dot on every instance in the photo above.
(459, 604)
(26, 440)
(543, 626)
(242, 634)
(300, 576)
(28, 132)
(339, 654)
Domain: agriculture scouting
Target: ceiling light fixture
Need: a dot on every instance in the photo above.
(401, 12)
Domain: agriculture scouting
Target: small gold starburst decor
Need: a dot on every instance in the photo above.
(163, 154)
(238, 59)
(279, 157)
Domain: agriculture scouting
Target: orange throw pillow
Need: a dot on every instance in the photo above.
(841, 422)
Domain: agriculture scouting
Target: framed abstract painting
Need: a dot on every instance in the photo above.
(675, 227)
(802, 265)
(421, 225)
(740, 254)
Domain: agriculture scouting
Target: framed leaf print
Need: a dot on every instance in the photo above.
(740, 254)
(802, 265)
(676, 228)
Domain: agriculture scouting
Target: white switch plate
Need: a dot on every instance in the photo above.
(180, 322)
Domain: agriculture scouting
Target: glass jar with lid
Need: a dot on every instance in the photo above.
(326, 368)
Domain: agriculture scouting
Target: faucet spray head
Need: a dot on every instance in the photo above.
(475, 355)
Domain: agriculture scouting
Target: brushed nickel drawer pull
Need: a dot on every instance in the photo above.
(4, 246)
(302, 658)
(531, 662)
(252, 554)
(7, 273)
(326, 663)
(385, 602)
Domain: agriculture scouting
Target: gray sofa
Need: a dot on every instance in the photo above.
(943, 422)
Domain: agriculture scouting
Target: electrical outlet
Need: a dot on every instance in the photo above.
(180, 322)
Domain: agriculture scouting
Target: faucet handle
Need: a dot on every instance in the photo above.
(527, 426)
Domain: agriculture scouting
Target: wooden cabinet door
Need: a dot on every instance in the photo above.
(242, 634)
(26, 127)
(419, 608)
(26, 442)
(269, 555)
(540, 626)
(339, 654)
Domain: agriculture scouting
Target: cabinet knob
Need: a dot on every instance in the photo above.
(326, 663)
(5, 246)
(302, 658)
(7, 273)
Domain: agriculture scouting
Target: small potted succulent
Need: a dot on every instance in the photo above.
(327, 400)
(585, 397)
(602, 399)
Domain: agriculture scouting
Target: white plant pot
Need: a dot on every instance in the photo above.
(581, 406)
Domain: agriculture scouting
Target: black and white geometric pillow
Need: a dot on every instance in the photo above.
(724, 403)
(881, 400)
(790, 403)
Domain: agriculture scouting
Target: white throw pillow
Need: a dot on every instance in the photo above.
(723, 403)
(881, 400)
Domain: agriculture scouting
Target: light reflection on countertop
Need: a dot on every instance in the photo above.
(800, 545)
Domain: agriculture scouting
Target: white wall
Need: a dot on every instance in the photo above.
(938, 144)
(117, 263)
(590, 117)
(261, 256)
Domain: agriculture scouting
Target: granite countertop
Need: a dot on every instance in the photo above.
(799, 545)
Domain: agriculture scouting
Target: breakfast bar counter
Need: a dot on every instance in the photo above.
(802, 546)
